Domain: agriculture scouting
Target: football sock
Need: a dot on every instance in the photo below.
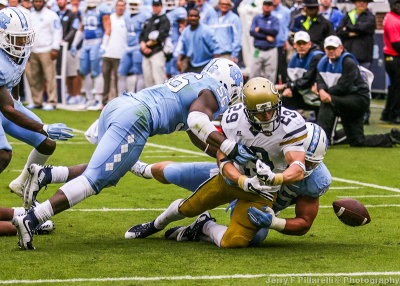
(34, 158)
(19, 211)
(87, 86)
(41, 213)
(77, 190)
(214, 231)
(59, 174)
(147, 172)
(171, 214)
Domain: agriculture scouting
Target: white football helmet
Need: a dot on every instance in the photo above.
(92, 3)
(16, 32)
(315, 146)
(228, 73)
(134, 6)
(170, 4)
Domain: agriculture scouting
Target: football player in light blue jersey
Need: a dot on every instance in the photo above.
(187, 101)
(16, 39)
(177, 15)
(303, 194)
(95, 31)
(130, 75)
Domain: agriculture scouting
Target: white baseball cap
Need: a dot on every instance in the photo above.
(4, 2)
(332, 41)
(301, 36)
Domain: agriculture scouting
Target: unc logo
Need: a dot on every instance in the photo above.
(236, 75)
(4, 20)
(212, 69)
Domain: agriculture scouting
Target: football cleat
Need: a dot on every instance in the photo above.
(138, 169)
(195, 230)
(395, 135)
(46, 227)
(17, 187)
(25, 229)
(173, 233)
(38, 178)
(141, 230)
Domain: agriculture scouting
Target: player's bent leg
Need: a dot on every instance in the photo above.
(241, 230)
(5, 158)
(7, 229)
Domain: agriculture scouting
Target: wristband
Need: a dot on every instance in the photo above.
(278, 224)
(241, 180)
(222, 165)
(227, 146)
(300, 164)
(278, 179)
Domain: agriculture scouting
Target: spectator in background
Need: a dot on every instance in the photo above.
(199, 44)
(283, 14)
(330, 13)
(70, 23)
(177, 18)
(315, 24)
(130, 74)
(208, 15)
(344, 93)
(152, 37)
(26, 4)
(264, 29)
(114, 52)
(16, 3)
(356, 30)
(41, 64)
(95, 31)
(391, 37)
(228, 31)
(302, 73)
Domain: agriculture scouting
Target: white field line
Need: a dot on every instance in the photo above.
(366, 185)
(163, 209)
(215, 277)
(343, 188)
(371, 196)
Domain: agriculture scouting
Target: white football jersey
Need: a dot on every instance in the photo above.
(289, 136)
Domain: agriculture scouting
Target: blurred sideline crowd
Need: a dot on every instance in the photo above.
(314, 52)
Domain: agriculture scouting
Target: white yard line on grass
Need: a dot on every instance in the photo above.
(371, 196)
(209, 277)
(343, 188)
(163, 209)
(366, 184)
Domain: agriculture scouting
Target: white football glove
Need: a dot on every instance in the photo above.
(264, 173)
(253, 185)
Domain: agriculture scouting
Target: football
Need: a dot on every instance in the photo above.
(351, 212)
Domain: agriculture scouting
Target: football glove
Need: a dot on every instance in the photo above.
(237, 152)
(73, 51)
(253, 185)
(58, 131)
(264, 173)
(266, 219)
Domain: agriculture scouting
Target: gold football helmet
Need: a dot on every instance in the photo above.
(262, 104)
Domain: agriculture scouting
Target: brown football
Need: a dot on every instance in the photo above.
(351, 212)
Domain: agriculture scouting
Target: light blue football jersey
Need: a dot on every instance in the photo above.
(93, 22)
(134, 25)
(313, 186)
(169, 103)
(10, 71)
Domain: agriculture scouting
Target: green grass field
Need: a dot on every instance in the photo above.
(88, 245)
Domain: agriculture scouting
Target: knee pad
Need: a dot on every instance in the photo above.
(77, 190)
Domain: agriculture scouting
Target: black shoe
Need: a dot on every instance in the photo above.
(395, 135)
(141, 230)
(173, 233)
(195, 230)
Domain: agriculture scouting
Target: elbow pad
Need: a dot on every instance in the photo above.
(200, 124)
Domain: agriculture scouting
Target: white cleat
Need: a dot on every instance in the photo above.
(37, 179)
(139, 168)
(17, 187)
(24, 229)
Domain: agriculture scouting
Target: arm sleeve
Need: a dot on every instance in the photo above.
(345, 83)
(57, 32)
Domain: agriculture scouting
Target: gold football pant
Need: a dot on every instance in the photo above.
(216, 192)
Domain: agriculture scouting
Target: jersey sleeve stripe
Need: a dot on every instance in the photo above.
(294, 140)
(302, 128)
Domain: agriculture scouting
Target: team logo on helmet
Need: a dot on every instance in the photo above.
(4, 20)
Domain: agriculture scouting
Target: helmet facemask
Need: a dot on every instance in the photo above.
(261, 118)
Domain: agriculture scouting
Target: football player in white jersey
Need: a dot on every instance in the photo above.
(303, 194)
(16, 40)
(275, 134)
